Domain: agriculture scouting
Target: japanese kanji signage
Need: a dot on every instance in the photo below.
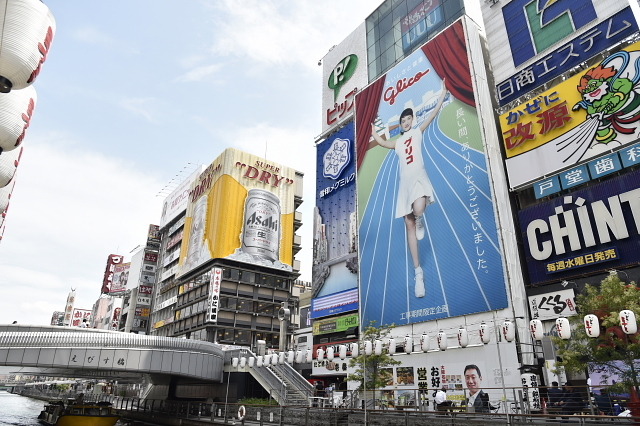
(583, 117)
(552, 305)
(214, 295)
(586, 231)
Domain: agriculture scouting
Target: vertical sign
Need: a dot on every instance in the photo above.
(214, 295)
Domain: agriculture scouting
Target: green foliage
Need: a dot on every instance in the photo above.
(370, 370)
(613, 353)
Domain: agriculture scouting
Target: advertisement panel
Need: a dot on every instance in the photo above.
(176, 202)
(120, 277)
(429, 246)
(68, 309)
(553, 304)
(80, 318)
(107, 281)
(214, 295)
(335, 325)
(242, 208)
(335, 261)
(337, 303)
(153, 237)
(344, 72)
(586, 231)
(589, 114)
(548, 38)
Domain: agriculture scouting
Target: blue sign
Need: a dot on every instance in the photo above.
(338, 303)
(547, 187)
(604, 165)
(574, 177)
(556, 62)
(585, 231)
(630, 156)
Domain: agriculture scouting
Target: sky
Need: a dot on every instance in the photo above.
(132, 97)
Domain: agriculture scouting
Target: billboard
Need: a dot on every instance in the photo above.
(213, 301)
(336, 324)
(120, 278)
(242, 208)
(589, 114)
(548, 38)
(107, 281)
(336, 303)
(176, 202)
(586, 231)
(429, 245)
(81, 318)
(344, 72)
(335, 261)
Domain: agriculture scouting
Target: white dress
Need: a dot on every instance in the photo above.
(414, 181)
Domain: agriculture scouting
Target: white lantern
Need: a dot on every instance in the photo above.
(259, 360)
(290, 356)
(320, 354)
(243, 362)
(282, 356)
(563, 328)
(536, 329)
(392, 346)
(377, 347)
(368, 347)
(485, 333)
(342, 351)
(299, 357)
(463, 337)
(309, 355)
(628, 321)
(508, 330)
(251, 361)
(8, 165)
(16, 110)
(355, 349)
(5, 197)
(27, 33)
(592, 325)
(424, 342)
(234, 361)
(330, 353)
(442, 340)
(408, 344)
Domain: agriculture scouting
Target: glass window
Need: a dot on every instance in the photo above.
(245, 305)
(248, 277)
(243, 336)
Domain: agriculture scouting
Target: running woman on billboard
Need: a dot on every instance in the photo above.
(415, 191)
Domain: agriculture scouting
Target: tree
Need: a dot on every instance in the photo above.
(370, 369)
(614, 353)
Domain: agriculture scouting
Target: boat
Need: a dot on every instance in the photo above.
(76, 413)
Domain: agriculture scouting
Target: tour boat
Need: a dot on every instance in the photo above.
(78, 414)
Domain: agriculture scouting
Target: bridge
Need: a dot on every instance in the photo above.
(162, 363)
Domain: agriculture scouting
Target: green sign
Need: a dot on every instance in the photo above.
(335, 325)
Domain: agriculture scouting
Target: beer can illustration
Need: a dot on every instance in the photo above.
(261, 230)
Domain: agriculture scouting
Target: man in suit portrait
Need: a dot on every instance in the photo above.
(478, 400)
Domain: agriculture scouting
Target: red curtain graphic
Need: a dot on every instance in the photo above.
(367, 103)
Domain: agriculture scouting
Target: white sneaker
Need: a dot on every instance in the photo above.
(419, 227)
(419, 290)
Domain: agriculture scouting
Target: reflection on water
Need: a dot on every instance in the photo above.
(19, 410)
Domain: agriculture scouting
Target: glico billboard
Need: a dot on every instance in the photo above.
(586, 231)
(335, 261)
(428, 239)
(531, 42)
(589, 114)
(242, 208)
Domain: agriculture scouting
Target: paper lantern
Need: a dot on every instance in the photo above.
(8, 165)
(408, 344)
(442, 340)
(234, 362)
(392, 346)
(563, 328)
(342, 351)
(281, 358)
(330, 353)
(243, 362)
(485, 333)
(628, 321)
(424, 342)
(592, 325)
(536, 329)
(290, 356)
(5, 197)
(299, 357)
(16, 110)
(259, 360)
(251, 361)
(463, 337)
(508, 330)
(320, 354)
(355, 349)
(368, 347)
(27, 32)
(377, 347)
(309, 355)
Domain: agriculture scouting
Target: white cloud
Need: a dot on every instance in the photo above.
(140, 106)
(199, 73)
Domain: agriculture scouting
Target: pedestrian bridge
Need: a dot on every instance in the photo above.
(81, 352)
